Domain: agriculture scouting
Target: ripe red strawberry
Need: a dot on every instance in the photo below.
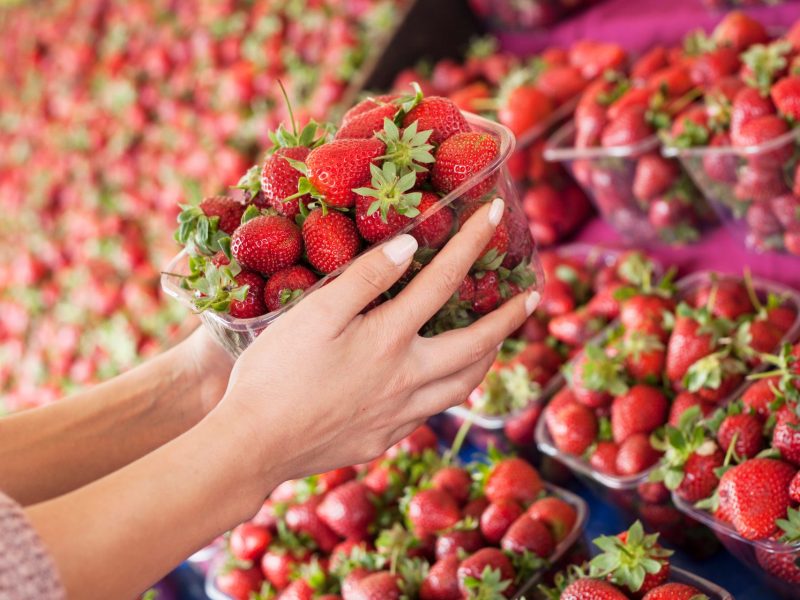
(528, 534)
(279, 180)
(498, 244)
(739, 31)
(452, 542)
(575, 328)
(648, 63)
(760, 395)
(593, 58)
(754, 494)
(794, 488)
(644, 355)
(331, 240)
(623, 556)
(573, 428)
(699, 479)
(785, 93)
(299, 589)
(673, 591)
(267, 244)
(720, 166)
(303, 518)
(335, 169)
(367, 104)
(561, 82)
(653, 176)
(604, 458)
(366, 124)
(488, 295)
(628, 128)
(460, 157)
(239, 584)
(438, 114)
(686, 346)
(414, 444)
(591, 589)
(430, 511)
(712, 66)
(227, 210)
(333, 479)
(253, 303)
(786, 437)
(287, 285)
(780, 564)
(746, 428)
(441, 582)
(382, 585)
(731, 299)
(636, 454)
(595, 377)
(497, 518)
(748, 104)
(469, 98)
(249, 541)
(387, 204)
(512, 479)
(476, 566)
(641, 410)
(558, 515)
(455, 481)
(645, 313)
(348, 510)
(435, 230)
(632, 97)
(760, 131)
(277, 565)
(524, 107)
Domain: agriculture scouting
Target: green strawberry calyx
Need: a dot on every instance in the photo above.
(627, 563)
(505, 390)
(215, 286)
(602, 373)
(199, 232)
(250, 182)
(790, 526)
(765, 61)
(678, 444)
(490, 586)
(391, 190)
(710, 371)
(409, 150)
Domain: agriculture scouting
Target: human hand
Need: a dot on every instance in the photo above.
(326, 386)
(205, 366)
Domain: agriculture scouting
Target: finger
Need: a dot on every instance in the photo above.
(363, 281)
(438, 281)
(455, 349)
(449, 391)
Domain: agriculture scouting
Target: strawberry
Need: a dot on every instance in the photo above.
(528, 535)
(673, 591)
(604, 458)
(699, 480)
(454, 542)
(201, 227)
(335, 169)
(761, 130)
(785, 93)
(653, 176)
(558, 515)
(641, 410)
(748, 104)
(591, 589)
(331, 240)
(436, 228)
(431, 510)
(692, 339)
(780, 564)
(631, 560)
(645, 313)
(348, 510)
(227, 210)
(593, 58)
(794, 488)
(365, 124)
(754, 494)
(489, 564)
(239, 584)
(628, 128)
(438, 114)
(573, 428)
(648, 63)
(759, 184)
(471, 97)
(596, 377)
(460, 157)
(387, 205)
(746, 429)
(455, 481)
(287, 285)
(333, 479)
(575, 328)
(630, 98)
(279, 180)
(368, 104)
(739, 31)
(303, 518)
(382, 585)
(488, 295)
(644, 355)
(249, 541)
(730, 298)
(441, 583)
(253, 303)
(786, 437)
(267, 244)
(497, 518)
(512, 479)
(520, 427)
(712, 66)
(635, 455)
(720, 166)
(561, 83)
(523, 107)
(414, 444)
(758, 397)
(277, 565)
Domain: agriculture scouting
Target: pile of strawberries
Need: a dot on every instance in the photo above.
(121, 110)
(630, 565)
(527, 96)
(668, 353)
(411, 524)
(318, 200)
(752, 177)
(741, 462)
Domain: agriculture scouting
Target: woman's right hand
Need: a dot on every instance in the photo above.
(326, 386)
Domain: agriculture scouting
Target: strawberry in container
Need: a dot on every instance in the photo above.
(748, 492)
(740, 144)
(630, 565)
(397, 164)
(413, 524)
(674, 347)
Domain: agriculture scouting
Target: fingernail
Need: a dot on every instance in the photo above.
(400, 249)
(499, 346)
(531, 302)
(496, 211)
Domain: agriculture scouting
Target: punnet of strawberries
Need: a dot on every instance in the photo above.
(630, 565)
(673, 348)
(740, 142)
(529, 96)
(741, 462)
(411, 524)
(323, 195)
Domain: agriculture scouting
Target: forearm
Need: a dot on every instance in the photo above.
(116, 536)
(48, 451)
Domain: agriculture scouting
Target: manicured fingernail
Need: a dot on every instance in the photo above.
(499, 346)
(496, 211)
(400, 249)
(531, 302)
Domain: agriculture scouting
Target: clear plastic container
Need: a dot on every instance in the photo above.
(608, 176)
(557, 560)
(710, 589)
(761, 556)
(751, 189)
(493, 181)
(624, 490)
